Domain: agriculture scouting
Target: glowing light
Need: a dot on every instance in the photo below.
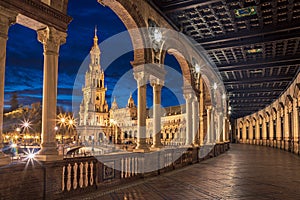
(230, 108)
(18, 129)
(30, 156)
(215, 86)
(55, 128)
(229, 112)
(25, 124)
(157, 35)
(63, 120)
(224, 96)
(197, 68)
(13, 145)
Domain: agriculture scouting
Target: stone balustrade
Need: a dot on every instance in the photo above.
(73, 176)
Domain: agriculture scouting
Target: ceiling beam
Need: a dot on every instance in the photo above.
(252, 98)
(247, 105)
(184, 5)
(254, 41)
(255, 90)
(258, 64)
(261, 34)
(259, 80)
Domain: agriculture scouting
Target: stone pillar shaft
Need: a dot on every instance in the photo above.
(195, 121)
(142, 79)
(156, 115)
(6, 19)
(208, 135)
(244, 132)
(189, 128)
(201, 113)
(51, 40)
(278, 126)
(257, 132)
(250, 131)
(296, 126)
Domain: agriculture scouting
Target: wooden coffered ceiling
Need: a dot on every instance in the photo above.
(254, 44)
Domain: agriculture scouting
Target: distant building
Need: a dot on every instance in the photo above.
(93, 114)
(124, 121)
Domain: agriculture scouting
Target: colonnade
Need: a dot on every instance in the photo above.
(277, 125)
(51, 40)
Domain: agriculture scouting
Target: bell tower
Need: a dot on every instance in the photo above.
(93, 108)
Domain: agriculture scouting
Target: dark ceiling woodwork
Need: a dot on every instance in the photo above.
(257, 53)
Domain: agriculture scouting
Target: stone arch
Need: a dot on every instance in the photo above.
(181, 58)
(133, 20)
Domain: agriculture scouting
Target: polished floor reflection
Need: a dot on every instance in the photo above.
(244, 172)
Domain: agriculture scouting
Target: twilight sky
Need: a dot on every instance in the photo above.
(24, 64)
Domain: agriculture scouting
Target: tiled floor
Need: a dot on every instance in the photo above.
(244, 172)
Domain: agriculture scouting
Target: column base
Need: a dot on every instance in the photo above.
(48, 157)
(296, 148)
(4, 160)
(287, 145)
(156, 147)
(146, 150)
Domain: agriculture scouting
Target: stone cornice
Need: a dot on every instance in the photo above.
(39, 12)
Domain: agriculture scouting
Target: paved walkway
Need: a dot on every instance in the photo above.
(244, 172)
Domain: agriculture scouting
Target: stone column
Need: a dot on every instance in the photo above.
(6, 19)
(208, 135)
(296, 126)
(286, 128)
(271, 130)
(224, 128)
(201, 113)
(264, 131)
(278, 129)
(157, 86)
(257, 132)
(142, 79)
(244, 132)
(195, 121)
(51, 39)
(250, 132)
(189, 129)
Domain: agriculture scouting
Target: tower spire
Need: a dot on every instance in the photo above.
(96, 30)
(96, 37)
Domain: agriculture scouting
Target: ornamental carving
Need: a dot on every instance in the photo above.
(141, 78)
(51, 39)
(7, 18)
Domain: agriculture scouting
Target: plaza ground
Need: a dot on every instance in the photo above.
(244, 172)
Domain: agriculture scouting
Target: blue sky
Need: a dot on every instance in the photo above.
(24, 64)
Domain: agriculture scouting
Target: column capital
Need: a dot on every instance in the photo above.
(51, 39)
(155, 82)
(7, 18)
(141, 78)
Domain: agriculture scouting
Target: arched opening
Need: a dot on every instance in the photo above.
(254, 128)
(267, 126)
